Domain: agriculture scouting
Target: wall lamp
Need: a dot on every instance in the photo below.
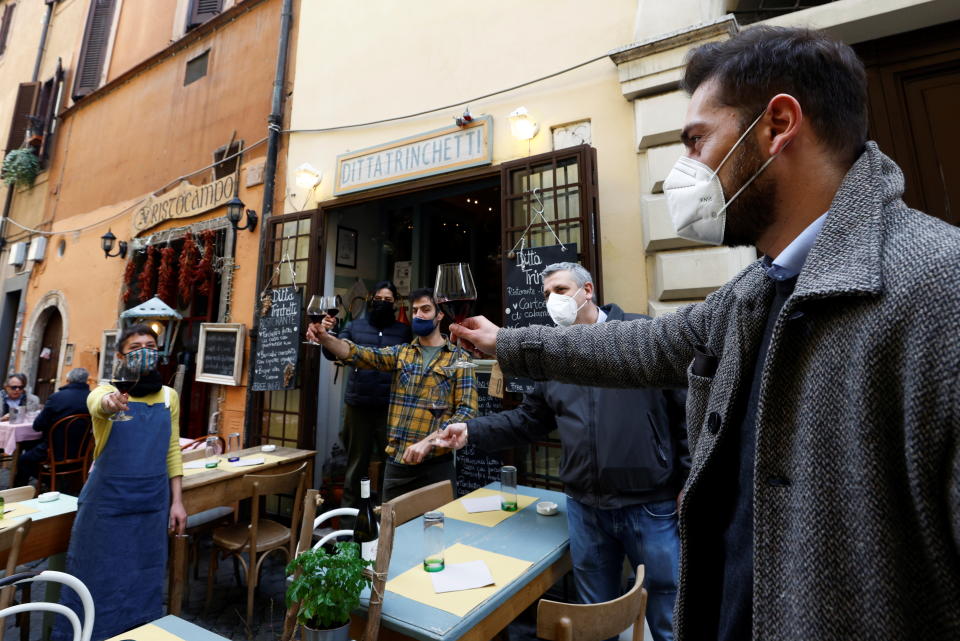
(522, 125)
(235, 209)
(307, 176)
(106, 243)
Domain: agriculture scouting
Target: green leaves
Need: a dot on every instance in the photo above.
(328, 586)
(20, 167)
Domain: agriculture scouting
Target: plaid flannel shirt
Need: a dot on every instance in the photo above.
(413, 389)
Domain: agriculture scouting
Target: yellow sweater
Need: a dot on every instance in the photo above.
(102, 424)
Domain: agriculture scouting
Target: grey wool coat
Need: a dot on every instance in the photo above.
(857, 480)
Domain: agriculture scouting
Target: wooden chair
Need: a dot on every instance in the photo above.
(569, 622)
(72, 433)
(260, 536)
(11, 538)
(17, 494)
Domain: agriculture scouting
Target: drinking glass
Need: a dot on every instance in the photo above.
(438, 405)
(211, 450)
(433, 542)
(508, 488)
(314, 313)
(233, 446)
(331, 307)
(124, 378)
(456, 295)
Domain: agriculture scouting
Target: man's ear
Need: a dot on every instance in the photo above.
(588, 291)
(781, 122)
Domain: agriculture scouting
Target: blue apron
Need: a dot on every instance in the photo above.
(118, 546)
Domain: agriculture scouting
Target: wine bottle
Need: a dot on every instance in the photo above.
(366, 531)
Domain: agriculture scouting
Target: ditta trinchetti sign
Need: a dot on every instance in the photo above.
(183, 201)
(427, 154)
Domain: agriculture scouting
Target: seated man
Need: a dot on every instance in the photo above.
(15, 394)
(70, 399)
(418, 380)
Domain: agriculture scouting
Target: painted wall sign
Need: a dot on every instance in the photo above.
(183, 201)
(427, 154)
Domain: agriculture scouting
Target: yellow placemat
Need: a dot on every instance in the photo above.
(415, 583)
(19, 509)
(456, 510)
(225, 465)
(148, 632)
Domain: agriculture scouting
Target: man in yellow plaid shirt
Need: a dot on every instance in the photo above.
(420, 381)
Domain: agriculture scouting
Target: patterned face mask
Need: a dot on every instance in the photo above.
(143, 360)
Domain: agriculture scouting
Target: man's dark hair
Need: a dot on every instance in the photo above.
(420, 293)
(384, 284)
(135, 330)
(824, 75)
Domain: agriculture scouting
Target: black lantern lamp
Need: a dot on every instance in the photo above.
(107, 241)
(235, 209)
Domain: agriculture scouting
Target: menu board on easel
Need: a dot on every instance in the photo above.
(476, 468)
(525, 304)
(278, 340)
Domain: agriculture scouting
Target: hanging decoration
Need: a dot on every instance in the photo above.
(204, 270)
(167, 282)
(145, 282)
(188, 260)
(128, 280)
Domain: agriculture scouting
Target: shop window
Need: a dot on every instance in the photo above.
(93, 52)
(287, 416)
(201, 11)
(23, 107)
(226, 159)
(5, 25)
(196, 68)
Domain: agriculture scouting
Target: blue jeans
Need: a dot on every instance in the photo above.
(648, 535)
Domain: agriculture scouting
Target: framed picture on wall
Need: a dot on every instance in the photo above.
(346, 247)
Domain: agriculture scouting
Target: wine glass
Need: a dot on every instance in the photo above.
(438, 405)
(456, 295)
(315, 313)
(124, 377)
(331, 306)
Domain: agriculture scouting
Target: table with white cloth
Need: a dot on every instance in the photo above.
(12, 434)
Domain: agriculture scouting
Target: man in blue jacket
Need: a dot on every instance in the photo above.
(68, 400)
(624, 461)
(364, 433)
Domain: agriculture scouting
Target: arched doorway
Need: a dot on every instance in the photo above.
(48, 356)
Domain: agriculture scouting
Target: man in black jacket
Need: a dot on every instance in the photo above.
(68, 400)
(624, 461)
(364, 433)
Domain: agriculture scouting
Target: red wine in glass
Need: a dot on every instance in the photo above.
(438, 410)
(457, 310)
(123, 386)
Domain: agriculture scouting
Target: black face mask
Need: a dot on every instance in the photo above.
(381, 313)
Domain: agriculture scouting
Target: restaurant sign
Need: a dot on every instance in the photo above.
(427, 154)
(183, 201)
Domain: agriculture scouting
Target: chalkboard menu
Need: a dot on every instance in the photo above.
(278, 341)
(108, 351)
(476, 468)
(220, 357)
(525, 304)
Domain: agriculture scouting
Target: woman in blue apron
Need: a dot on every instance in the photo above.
(118, 546)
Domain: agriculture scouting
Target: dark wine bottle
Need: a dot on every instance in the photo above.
(366, 532)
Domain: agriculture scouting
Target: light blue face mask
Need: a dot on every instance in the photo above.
(143, 360)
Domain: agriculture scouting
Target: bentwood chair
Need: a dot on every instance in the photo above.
(17, 494)
(11, 538)
(69, 447)
(569, 622)
(81, 631)
(260, 536)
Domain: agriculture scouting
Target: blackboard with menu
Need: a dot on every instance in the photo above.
(525, 304)
(278, 340)
(476, 468)
(220, 356)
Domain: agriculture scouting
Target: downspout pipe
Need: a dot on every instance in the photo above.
(274, 127)
(43, 40)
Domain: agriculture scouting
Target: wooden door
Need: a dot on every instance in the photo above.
(49, 357)
(914, 92)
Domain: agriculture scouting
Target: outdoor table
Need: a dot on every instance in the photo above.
(49, 537)
(204, 489)
(169, 625)
(526, 535)
(12, 434)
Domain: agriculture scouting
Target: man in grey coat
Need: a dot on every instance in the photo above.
(823, 406)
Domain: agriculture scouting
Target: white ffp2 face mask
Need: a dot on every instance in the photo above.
(563, 309)
(695, 195)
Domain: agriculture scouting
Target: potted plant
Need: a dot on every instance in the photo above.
(20, 167)
(327, 589)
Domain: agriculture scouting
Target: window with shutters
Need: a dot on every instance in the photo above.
(201, 11)
(23, 110)
(45, 114)
(93, 52)
(5, 25)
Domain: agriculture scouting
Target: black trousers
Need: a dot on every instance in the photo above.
(399, 479)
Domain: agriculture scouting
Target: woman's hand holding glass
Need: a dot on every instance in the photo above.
(318, 331)
(114, 402)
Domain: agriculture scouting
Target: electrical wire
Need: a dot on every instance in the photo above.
(450, 106)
